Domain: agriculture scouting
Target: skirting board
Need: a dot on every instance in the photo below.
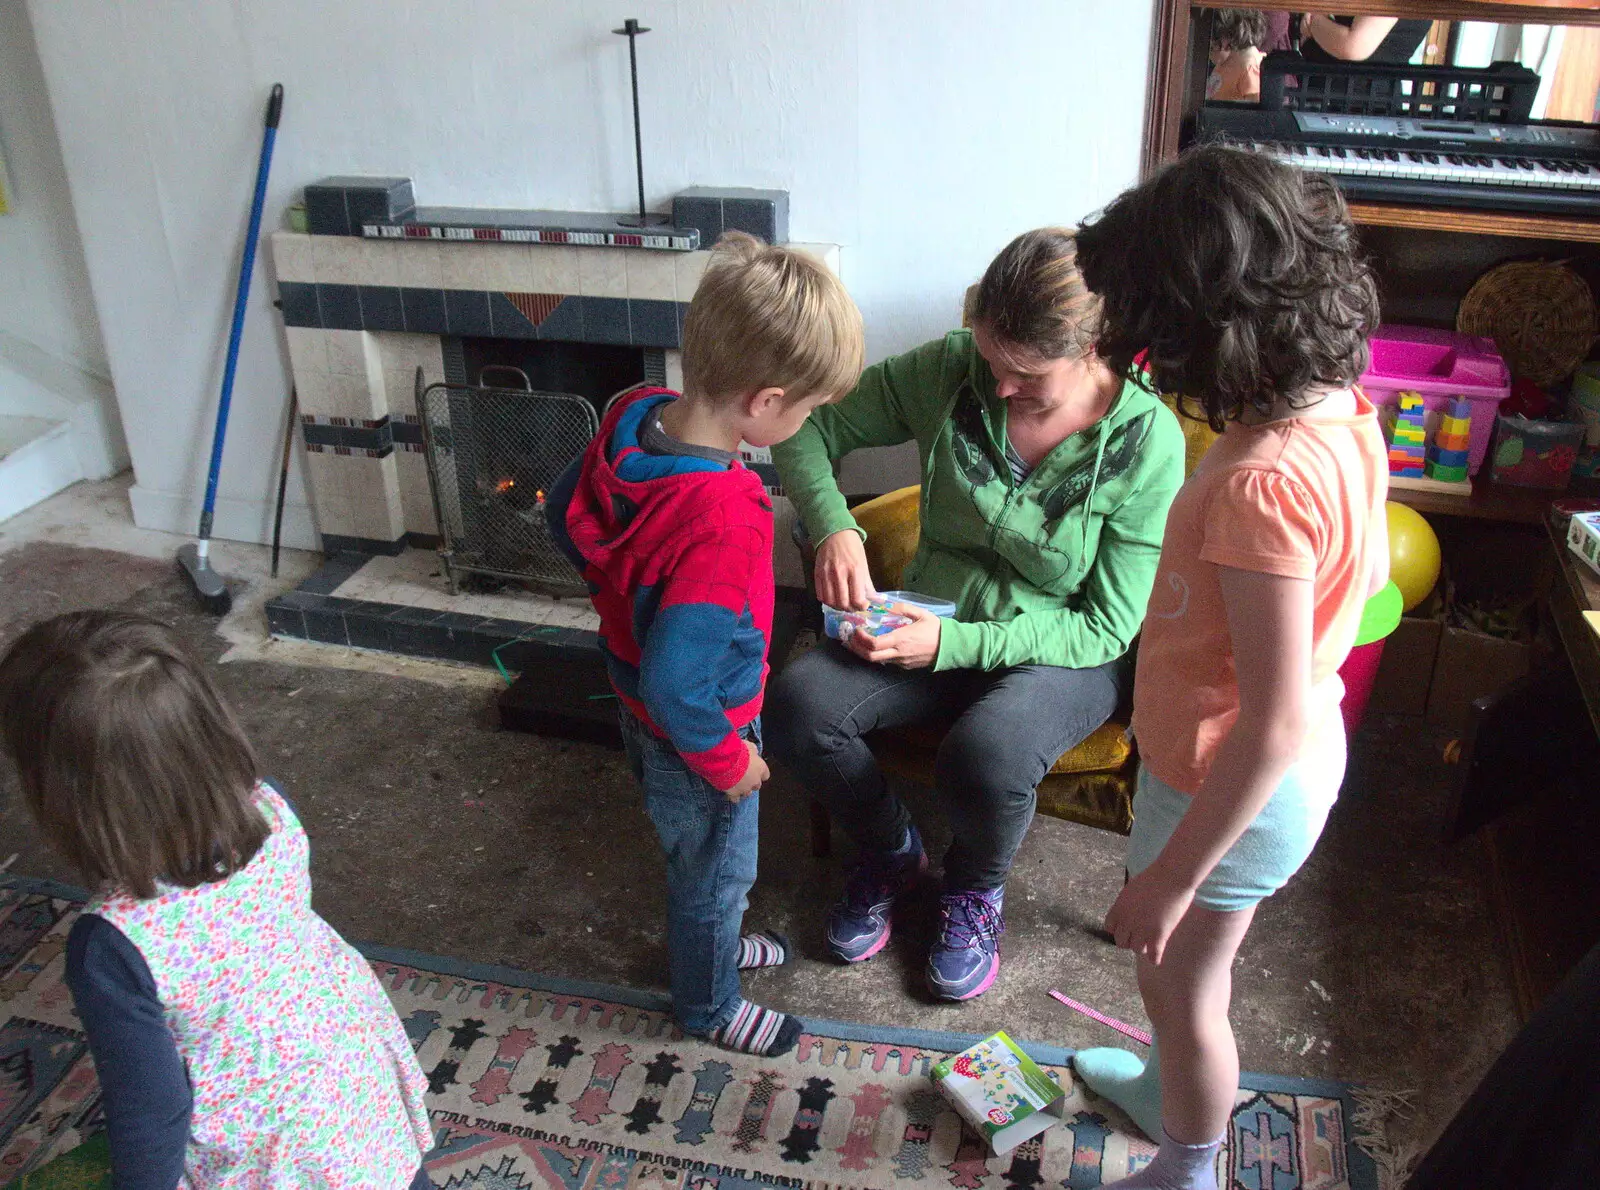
(38, 469)
(235, 520)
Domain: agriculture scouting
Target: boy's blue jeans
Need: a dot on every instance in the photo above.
(710, 845)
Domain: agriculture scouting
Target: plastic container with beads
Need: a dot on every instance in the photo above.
(877, 619)
(1441, 366)
(1536, 454)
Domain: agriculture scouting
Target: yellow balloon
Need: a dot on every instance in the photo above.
(1413, 554)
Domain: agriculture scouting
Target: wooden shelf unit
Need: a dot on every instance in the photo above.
(1489, 501)
(1490, 223)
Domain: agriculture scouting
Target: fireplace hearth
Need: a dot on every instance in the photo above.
(370, 301)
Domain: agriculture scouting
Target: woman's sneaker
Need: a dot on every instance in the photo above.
(858, 926)
(966, 959)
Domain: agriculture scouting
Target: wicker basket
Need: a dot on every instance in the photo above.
(1540, 315)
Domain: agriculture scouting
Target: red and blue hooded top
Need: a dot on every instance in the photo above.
(677, 552)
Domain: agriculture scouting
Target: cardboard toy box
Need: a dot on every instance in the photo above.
(1583, 538)
(999, 1091)
(1431, 670)
(1406, 671)
(1470, 665)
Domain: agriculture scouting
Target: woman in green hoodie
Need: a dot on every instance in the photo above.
(1045, 486)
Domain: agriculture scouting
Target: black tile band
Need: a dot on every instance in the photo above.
(379, 437)
(424, 632)
(566, 318)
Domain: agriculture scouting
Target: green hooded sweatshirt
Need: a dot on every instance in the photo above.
(1055, 570)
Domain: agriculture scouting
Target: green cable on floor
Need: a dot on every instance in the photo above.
(494, 653)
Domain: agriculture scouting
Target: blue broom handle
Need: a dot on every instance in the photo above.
(240, 299)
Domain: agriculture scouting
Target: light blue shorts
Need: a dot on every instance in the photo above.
(1272, 847)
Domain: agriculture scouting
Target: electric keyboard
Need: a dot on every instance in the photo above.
(1541, 167)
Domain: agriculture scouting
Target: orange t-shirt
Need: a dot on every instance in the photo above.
(1295, 498)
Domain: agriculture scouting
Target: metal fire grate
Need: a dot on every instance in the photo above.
(492, 455)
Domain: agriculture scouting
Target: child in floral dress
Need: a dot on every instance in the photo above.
(239, 1041)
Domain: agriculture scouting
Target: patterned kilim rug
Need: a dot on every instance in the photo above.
(546, 1084)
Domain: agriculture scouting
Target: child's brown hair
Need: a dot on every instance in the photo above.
(131, 762)
(770, 317)
(1239, 29)
(1238, 277)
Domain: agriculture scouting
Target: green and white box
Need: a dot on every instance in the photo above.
(1583, 538)
(999, 1091)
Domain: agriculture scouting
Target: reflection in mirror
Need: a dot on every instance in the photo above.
(1465, 114)
(1566, 59)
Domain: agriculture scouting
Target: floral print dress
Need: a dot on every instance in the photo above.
(300, 1070)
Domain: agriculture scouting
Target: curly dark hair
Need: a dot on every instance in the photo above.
(1239, 28)
(1238, 279)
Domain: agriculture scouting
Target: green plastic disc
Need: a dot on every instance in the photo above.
(1381, 615)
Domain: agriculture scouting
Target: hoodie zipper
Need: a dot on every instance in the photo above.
(1012, 488)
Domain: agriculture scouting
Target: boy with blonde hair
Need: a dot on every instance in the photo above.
(673, 534)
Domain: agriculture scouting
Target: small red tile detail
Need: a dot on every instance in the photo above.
(535, 307)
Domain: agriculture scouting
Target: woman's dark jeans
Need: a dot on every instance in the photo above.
(1009, 727)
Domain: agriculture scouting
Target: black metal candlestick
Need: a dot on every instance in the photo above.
(631, 29)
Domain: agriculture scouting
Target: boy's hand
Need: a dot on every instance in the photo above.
(1146, 911)
(756, 773)
(911, 646)
(843, 578)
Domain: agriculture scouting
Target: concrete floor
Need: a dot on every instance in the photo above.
(433, 829)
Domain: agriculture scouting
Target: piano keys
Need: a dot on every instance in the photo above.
(1539, 167)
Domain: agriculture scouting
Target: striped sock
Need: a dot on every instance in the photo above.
(756, 1030)
(766, 949)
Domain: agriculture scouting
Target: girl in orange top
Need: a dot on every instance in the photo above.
(1237, 38)
(1239, 278)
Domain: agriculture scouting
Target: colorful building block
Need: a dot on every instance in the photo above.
(1406, 441)
(1449, 452)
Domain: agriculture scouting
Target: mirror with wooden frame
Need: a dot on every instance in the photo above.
(1197, 61)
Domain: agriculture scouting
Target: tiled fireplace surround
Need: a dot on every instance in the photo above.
(361, 315)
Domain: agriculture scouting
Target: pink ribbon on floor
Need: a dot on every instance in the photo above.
(1137, 1034)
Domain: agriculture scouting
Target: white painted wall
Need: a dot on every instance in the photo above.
(919, 135)
(52, 362)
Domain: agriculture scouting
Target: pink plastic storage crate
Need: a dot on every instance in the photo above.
(1440, 365)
